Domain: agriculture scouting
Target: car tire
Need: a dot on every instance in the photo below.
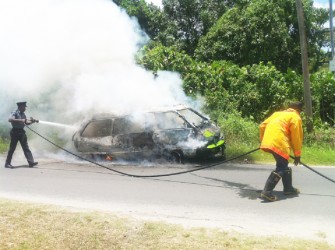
(177, 157)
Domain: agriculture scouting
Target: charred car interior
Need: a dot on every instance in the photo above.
(176, 133)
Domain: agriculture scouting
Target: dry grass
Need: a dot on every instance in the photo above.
(29, 226)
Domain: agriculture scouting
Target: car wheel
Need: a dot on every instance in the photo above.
(177, 157)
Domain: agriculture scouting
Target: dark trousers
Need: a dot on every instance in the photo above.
(19, 135)
(281, 164)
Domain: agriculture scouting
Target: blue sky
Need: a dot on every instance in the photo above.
(322, 3)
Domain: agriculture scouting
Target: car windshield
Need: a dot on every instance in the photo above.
(168, 120)
(98, 128)
(192, 117)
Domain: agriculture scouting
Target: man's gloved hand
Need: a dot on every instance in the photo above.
(32, 120)
(296, 160)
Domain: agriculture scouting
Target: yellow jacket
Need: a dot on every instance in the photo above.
(281, 132)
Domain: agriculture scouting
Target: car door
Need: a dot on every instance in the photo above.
(96, 137)
(131, 136)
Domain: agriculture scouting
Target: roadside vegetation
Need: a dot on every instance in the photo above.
(3, 146)
(242, 58)
(28, 226)
(242, 135)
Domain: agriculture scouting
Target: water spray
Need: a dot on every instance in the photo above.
(55, 124)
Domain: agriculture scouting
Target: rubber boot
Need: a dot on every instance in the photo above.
(287, 183)
(270, 184)
(8, 165)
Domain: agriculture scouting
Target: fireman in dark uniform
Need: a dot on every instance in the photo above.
(19, 120)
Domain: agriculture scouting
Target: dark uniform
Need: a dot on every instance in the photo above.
(18, 134)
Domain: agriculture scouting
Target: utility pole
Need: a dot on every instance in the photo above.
(305, 71)
(331, 27)
(332, 60)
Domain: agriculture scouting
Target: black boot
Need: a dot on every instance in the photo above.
(269, 186)
(8, 165)
(287, 183)
(32, 164)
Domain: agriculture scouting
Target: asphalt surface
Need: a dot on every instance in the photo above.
(225, 197)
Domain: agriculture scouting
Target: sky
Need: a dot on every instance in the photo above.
(322, 3)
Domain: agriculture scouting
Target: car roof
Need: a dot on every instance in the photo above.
(151, 110)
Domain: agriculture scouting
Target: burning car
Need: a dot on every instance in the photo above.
(177, 133)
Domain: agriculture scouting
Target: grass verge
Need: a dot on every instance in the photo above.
(311, 155)
(242, 136)
(3, 146)
(29, 226)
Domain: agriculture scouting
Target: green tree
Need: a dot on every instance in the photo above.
(151, 19)
(320, 37)
(253, 91)
(323, 86)
(262, 31)
(243, 31)
(191, 19)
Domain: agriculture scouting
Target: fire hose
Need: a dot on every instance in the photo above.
(141, 176)
(169, 174)
(308, 167)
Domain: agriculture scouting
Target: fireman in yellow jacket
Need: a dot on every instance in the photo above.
(279, 134)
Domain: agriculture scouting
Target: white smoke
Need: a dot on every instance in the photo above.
(71, 58)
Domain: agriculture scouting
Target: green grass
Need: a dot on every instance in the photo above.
(28, 226)
(311, 155)
(3, 146)
(314, 155)
(243, 136)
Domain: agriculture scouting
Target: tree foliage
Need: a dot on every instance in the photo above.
(192, 19)
(149, 16)
(253, 91)
(242, 56)
(323, 83)
(262, 31)
(242, 31)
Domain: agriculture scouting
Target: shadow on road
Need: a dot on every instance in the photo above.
(247, 191)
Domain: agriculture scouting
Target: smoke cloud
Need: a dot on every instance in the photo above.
(71, 58)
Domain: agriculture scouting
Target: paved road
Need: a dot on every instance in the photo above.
(225, 196)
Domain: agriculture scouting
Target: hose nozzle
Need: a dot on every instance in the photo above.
(34, 120)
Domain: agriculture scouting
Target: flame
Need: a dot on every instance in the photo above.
(109, 158)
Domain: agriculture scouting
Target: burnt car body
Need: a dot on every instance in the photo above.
(176, 132)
